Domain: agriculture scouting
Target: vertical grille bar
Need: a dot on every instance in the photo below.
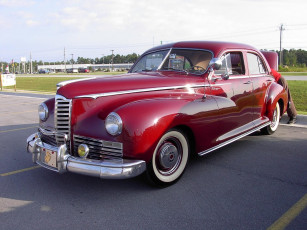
(62, 118)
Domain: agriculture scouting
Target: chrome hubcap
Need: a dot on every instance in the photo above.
(169, 157)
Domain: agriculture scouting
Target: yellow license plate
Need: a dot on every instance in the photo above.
(50, 157)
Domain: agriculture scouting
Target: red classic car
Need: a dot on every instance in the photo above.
(178, 99)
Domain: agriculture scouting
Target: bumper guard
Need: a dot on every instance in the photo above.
(106, 169)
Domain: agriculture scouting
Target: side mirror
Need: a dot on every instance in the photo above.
(225, 76)
(215, 64)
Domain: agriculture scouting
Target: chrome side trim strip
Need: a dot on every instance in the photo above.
(95, 96)
(234, 139)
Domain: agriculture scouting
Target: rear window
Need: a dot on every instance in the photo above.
(255, 64)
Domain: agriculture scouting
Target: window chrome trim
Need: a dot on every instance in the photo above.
(233, 77)
(195, 49)
(260, 75)
(170, 50)
(264, 62)
(147, 53)
(238, 77)
(166, 56)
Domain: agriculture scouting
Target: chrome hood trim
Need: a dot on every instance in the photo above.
(63, 83)
(95, 96)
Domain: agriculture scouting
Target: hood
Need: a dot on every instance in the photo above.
(126, 83)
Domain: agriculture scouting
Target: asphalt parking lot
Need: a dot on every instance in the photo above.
(258, 182)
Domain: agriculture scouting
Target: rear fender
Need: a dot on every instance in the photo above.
(276, 94)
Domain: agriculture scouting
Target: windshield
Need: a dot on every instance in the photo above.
(182, 60)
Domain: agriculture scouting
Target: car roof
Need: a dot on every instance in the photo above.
(215, 46)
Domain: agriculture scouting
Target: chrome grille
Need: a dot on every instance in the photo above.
(98, 148)
(62, 118)
(49, 139)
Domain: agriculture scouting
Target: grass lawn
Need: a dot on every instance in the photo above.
(293, 73)
(48, 84)
(98, 73)
(40, 84)
(298, 91)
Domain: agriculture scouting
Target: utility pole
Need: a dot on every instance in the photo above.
(102, 58)
(64, 60)
(281, 29)
(112, 59)
(72, 62)
(31, 63)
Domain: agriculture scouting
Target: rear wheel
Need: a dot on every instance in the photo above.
(169, 159)
(270, 129)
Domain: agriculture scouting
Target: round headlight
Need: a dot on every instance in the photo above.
(114, 124)
(43, 112)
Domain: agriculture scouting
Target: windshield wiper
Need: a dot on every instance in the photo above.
(143, 70)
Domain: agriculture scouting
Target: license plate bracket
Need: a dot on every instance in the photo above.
(49, 157)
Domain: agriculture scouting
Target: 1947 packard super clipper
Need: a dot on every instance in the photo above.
(178, 99)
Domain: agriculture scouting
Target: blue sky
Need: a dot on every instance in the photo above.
(92, 28)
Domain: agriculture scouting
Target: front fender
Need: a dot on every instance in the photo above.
(276, 94)
(49, 123)
(145, 121)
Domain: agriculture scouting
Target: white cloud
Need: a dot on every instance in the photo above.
(32, 23)
(89, 28)
(16, 3)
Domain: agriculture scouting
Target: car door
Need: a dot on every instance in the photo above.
(233, 88)
(261, 79)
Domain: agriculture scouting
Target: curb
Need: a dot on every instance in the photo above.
(300, 122)
(27, 91)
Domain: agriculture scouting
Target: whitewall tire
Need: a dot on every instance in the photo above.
(270, 129)
(169, 159)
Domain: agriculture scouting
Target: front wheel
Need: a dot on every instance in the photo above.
(270, 129)
(169, 159)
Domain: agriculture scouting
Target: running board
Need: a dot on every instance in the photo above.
(233, 139)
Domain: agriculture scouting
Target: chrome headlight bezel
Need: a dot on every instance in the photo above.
(43, 112)
(114, 124)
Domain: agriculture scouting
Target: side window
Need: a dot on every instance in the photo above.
(255, 64)
(232, 64)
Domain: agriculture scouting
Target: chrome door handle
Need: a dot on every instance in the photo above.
(248, 82)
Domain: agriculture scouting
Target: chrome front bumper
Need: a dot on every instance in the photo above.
(106, 169)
